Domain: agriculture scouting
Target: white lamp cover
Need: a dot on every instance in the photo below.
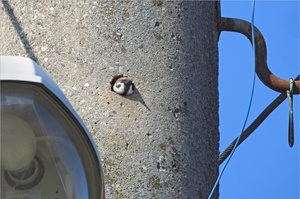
(46, 150)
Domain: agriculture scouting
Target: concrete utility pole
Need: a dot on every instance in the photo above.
(161, 142)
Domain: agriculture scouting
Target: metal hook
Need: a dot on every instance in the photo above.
(261, 67)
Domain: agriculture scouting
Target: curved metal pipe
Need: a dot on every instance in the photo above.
(261, 67)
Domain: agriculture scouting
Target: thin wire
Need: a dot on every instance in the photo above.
(249, 107)
(252, 127)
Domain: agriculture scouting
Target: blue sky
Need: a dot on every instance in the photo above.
(264, 166)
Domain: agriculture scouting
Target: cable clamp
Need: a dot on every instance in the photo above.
(289, 94)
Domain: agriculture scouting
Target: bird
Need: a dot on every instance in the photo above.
(123, 86)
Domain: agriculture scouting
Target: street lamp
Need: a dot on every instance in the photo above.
(46, 150)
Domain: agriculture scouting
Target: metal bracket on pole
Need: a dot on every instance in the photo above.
(261, 67)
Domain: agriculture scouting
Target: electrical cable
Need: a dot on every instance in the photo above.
(249, 107)
(262, 116)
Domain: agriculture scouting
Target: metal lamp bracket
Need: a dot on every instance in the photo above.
(265, 75)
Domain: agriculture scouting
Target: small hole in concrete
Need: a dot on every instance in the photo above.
(114, 79)
(128, 85)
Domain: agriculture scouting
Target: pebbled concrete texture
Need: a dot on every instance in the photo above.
(161, 142)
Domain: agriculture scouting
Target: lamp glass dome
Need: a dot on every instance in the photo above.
(45, 151)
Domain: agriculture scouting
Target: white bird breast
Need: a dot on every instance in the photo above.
(119, 88)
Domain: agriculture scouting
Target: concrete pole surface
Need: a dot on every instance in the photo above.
(161, 142)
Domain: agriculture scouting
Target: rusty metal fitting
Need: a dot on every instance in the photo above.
(261, 67)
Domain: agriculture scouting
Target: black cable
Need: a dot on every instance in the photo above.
(254, 125)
